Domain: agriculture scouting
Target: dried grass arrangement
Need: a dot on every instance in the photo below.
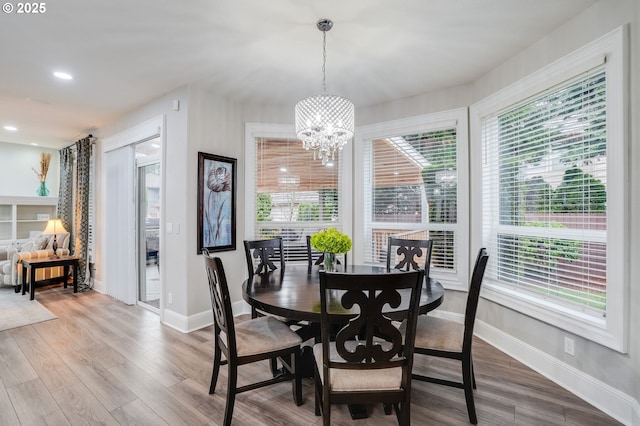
(45, 159)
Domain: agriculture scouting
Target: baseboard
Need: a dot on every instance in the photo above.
(200, 320)
(606, 398)
(98, 286)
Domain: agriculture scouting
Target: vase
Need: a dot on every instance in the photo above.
(329, 261)
(42, 190)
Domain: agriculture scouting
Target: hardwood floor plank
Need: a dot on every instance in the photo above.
(34, 404)
(81, 407)
(110, 391)
(137, 413)
(8, 415)
(158, 397)
(14, 367)
(53, 372)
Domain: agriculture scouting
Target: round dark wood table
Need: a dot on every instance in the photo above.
(295, 293)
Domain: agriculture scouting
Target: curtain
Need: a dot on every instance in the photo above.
(81, 217)
(73, 200)
(65, 193)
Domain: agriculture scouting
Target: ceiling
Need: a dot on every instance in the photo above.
(124, 53)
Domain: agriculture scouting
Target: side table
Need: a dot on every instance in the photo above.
(34, 264)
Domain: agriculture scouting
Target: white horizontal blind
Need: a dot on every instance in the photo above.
(545, 194)
(296, 195)
(412, 193)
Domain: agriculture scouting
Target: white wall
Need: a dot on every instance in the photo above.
(215, 127)
(16, 176)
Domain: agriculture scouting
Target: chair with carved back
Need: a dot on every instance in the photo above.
(263, 257)
(369, 362)
(439, 337)
(247, 342)
(409, 254)
(317, 257)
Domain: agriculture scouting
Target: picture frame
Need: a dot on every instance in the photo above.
(216, 202)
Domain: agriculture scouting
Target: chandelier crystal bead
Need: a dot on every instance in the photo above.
(324, 123)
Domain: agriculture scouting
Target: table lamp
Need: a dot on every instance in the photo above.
(54, 226)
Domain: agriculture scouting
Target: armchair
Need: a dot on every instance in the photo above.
(36, 248)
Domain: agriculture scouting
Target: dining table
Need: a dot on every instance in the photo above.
(294, 293)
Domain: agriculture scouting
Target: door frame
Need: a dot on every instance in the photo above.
(150, 129)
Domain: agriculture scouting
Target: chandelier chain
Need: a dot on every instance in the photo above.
(324, 61)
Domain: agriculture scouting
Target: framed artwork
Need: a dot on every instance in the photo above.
(216, 202)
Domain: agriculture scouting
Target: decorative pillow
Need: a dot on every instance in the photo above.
(27, 246)
(41, 242)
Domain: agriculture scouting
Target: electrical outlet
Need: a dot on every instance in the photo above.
(569, 346)
(170, 298)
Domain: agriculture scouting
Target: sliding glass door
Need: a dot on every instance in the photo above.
(148, 225)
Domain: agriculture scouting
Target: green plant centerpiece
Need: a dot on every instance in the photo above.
(330, 242)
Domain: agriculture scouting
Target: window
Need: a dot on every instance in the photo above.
(293, 195)
(551, 200)
(413, 184)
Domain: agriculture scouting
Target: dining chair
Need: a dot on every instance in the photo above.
(368, 362)
(317, 257)
(264, 255)
(247, 342)
(409, 254)
(439, 337)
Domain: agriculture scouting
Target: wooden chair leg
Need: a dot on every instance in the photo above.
(467, 382)
(388, 408)
(318, 393)
(326, 408)
(297, 379)
(216, 369)
(273, 362)
(231, 393)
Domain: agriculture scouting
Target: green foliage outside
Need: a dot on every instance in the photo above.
(579, 192)
(263, 207)
(547, 251)
(442, 195)
(308, 212)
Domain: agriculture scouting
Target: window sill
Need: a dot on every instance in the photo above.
(554, 314)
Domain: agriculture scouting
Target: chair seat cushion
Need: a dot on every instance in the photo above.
(357, 380)
(264, 334)
(438, 333)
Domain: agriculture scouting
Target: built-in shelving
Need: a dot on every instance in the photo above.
(20, 216)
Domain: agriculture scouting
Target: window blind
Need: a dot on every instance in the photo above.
(545, 193)
(296, 195)
(411, 192)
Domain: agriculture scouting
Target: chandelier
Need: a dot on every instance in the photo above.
(324, 123)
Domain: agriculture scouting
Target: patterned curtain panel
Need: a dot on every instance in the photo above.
(65, 193)
(73, 200)
(81, 220)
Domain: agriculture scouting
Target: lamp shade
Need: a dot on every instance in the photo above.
(54, 226)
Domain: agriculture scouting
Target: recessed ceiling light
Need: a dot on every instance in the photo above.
(283, 169)
(11, 128)
(63, 75)
(34, 144)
